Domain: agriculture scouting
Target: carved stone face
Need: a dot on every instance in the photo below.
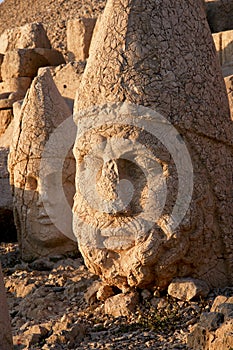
(127, 186)
(39, 206)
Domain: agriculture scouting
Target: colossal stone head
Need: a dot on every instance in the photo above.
(153, 190)
(42, 172)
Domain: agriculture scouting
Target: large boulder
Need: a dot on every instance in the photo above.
(25, 62)
(153, 189)
(79, 34)
(214, 331)
(42, 172)
(29, 36)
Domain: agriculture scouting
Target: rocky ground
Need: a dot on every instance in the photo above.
(52, 13)
(49, 310)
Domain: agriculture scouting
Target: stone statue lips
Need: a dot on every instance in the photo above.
(44, 218)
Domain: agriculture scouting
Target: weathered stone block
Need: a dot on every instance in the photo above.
(79, 33)
(20, 85)
(54, 57)
(224, 46)
(213, 332)
(188, 288)
(25, 62)
(22, 63)
(121, 304)
(31, 35)
(67, 78)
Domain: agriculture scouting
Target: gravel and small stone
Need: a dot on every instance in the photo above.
(54, 304)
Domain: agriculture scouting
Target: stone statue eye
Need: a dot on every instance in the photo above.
(31, 183)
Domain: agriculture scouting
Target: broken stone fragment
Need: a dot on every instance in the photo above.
(91, 292)
(19, 85)
(188, 288)
(79, 34)
(6, 116)
(213, 332)
(121, 304)
(31, 35)
(67, 78)
(104, 292)
(221, 299)
(35, 335)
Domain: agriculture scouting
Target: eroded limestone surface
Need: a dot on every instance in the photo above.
(160, 55)
(39, 207)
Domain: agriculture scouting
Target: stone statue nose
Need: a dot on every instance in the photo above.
(109, 180)
(110, 170)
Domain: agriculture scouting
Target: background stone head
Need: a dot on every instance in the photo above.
(37, 205)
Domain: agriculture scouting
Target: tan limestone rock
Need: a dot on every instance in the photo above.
(42, 182)
(20, 84)
(229, 87)
(6, 115)
(188, 288)
(219, 300)
(79, 33)
(53, 57)
(224, 46)
(22, 63)
(31, 35)
(5, 328)
(25, 62)
(67, 78)
(104, 292)
(121, 304)
(212, 333)
(130, 232)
